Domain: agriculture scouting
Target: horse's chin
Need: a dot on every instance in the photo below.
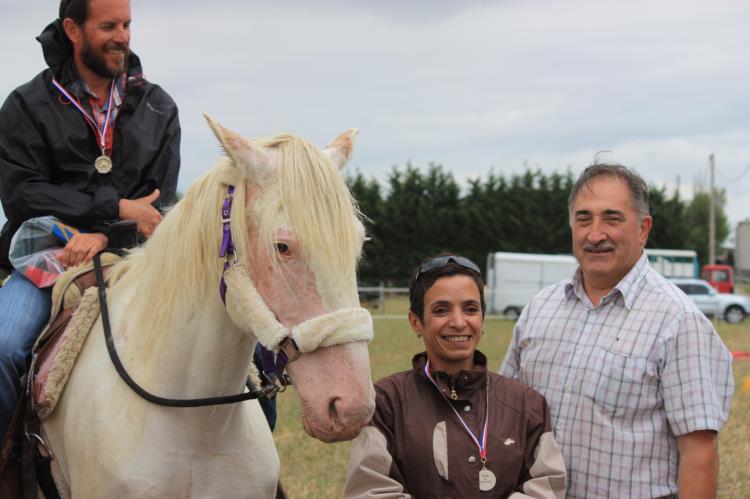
(334, 407)
(332, 434)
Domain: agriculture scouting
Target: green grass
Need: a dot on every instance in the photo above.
(312, 469)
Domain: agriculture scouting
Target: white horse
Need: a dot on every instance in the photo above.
(298, 237)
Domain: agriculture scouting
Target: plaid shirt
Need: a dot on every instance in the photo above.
(97, 107)
(623, 379)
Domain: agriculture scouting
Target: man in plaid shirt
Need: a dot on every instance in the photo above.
(638, 381)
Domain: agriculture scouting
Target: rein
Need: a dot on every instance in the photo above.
(254, 393)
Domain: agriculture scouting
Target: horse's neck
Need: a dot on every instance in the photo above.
(200, 354)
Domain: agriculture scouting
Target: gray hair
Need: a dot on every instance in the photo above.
(636, 185)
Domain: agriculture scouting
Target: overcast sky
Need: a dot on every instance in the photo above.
(472, 85)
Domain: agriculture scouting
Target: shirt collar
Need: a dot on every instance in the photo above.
(625, 288)
(80, 89)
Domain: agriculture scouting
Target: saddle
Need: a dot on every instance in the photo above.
(74, 310)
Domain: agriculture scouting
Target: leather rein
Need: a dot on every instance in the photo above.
(288, 350)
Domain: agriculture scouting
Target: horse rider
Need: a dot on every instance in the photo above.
(88, 140)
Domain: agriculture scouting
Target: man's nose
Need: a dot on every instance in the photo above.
(122, 35)
(596, 232)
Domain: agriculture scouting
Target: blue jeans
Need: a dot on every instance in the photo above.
(24, 310)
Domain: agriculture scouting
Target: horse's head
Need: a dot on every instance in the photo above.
(298, 240)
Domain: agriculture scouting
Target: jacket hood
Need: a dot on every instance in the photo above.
(55, 45)
(58, 50)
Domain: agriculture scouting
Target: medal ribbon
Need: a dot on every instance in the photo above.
(480, 442)
(101, 134)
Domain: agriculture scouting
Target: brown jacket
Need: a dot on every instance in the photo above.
(415, 445)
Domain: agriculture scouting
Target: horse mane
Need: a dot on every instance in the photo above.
(180, 264)
(320, 209)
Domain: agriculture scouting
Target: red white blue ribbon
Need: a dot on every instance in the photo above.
(101, 134)
(480, 442)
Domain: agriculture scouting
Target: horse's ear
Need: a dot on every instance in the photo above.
(251, 158)
(340, 150)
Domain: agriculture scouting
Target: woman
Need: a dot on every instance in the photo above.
(449, 427)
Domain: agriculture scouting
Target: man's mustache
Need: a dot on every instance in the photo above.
(122, 47)
(602, 246)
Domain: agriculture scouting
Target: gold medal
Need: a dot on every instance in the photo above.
(487, 480)
(103, 164)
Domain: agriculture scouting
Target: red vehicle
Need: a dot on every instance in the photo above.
(721, 277)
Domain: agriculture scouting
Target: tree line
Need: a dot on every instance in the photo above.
(417, 213)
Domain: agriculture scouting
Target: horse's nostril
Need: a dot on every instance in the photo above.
(333, 413)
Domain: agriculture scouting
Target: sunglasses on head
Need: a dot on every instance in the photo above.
(442, 261)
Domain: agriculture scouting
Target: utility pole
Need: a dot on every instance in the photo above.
(711, 216)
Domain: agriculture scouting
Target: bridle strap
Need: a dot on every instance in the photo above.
(227, 243)
(254, 393)
(288, 352)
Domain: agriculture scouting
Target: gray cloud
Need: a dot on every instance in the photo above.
(472, 85)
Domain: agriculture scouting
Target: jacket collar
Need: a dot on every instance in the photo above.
(463, 380)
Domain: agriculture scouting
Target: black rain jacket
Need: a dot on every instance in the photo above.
(47, 150)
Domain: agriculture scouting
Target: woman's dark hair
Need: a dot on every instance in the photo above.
(77, 10)
(433, 268)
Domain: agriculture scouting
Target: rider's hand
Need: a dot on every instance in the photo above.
(81, 248)
(141, 211)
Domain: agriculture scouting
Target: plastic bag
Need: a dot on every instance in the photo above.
(36, 246)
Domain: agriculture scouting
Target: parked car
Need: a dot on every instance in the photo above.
(730, 307)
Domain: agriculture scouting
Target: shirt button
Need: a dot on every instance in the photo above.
(467, 408)
(472, 459)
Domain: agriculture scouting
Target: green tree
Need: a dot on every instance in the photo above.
(422, 217)
(670, 229)
(369, 199)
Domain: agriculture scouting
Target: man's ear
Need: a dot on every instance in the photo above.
(415, 323)
(72, 30)
(646, 225)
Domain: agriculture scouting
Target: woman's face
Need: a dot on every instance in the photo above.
(453, 323)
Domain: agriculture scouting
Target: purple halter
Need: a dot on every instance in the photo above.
(227, 244)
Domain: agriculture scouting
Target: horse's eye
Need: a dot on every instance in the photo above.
(282, 248)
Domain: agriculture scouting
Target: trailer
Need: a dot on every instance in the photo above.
(674, 262)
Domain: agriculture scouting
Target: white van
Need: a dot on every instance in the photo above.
(514, 278)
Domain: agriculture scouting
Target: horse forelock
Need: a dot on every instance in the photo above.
(314, 199)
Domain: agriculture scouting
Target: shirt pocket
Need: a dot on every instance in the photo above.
(626, 385)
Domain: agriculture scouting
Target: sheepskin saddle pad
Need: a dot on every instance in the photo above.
(75, 309)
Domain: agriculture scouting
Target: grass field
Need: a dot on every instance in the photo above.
(312, 469)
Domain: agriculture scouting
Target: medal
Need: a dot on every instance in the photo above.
(487, 479)
(103, 163)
